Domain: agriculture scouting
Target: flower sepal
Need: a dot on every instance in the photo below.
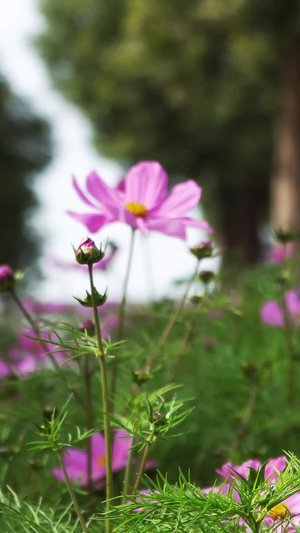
(88, 302)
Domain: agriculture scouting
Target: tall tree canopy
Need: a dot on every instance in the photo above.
(25, 149)
(194, 84)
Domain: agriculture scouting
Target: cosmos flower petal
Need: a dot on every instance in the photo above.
(182, 198)
(169, 226)
(141, 226)
(201, 224)
(107, 196)
(292, 302)
(98, 446)
(146, 183)
(4, 369)
(120, 451)
(92, 221)
(273, 466)
(81, 195)
(272, 314)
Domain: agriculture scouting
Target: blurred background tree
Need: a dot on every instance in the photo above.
(25, 149)
(195, 84)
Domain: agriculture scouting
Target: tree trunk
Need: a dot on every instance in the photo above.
(285, 182)
(241, 223)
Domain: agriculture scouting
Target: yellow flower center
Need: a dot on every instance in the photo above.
(101, 461)
(279, 511)
(139, 210)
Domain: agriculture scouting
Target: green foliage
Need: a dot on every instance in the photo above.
(25, 149)
(241, 375)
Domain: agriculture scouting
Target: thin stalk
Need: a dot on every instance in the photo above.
(72, 494)
(107, 432)
(290, 350)
(127, 474)
(244, 423)
(122, 308)
(89, 419)
(166, 332)
(189, 328)
(37, 331)
(125, 287)
(144, 458)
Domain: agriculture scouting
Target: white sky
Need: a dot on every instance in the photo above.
(158, 259)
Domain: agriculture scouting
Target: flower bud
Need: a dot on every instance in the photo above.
(87, 252)
(140, 377)
(206, 276)
(250, 371)
(202, 250)
(88, 326)
(50, 413)
(7, 278)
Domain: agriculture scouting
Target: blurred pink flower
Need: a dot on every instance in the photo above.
(75, 460)
(279, 253)
(4, 369)
(272, 313)
(142, 201)
(29, 354)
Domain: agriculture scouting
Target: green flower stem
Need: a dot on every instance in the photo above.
(122, 308)
(188, 331)
(125, 287)
(107, 431)
(144, 458)
(89, 418)
(37, 331)
(290, 350)
(166, 332)
(72, 494)
(127, 474)
(244, 423)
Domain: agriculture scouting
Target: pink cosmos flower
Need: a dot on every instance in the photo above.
(272, 313)
(279, 253)
(229, 472)
(29, 354)
(290, 507)
(141, 200)
(76, 460)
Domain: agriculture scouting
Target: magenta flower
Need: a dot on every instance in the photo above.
(4, 370)
(142, 201)
(273, 314)
(7, 278)
(29, 354)
(279, 253)
(75, 460)
(228, 471)
(288, 508)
